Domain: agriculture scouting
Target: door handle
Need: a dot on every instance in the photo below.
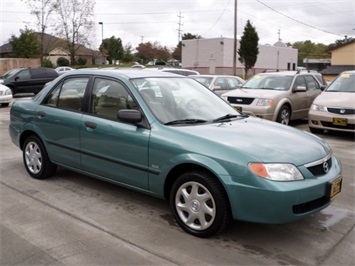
(90, 124)
(41, 113)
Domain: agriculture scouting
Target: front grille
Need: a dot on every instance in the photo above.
(341, 111)
(240, 100)
(321, 168)
(330, 124)
(310, 206)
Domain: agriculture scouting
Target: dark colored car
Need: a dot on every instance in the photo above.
(25, 80)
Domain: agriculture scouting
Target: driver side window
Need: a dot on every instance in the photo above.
(108, 97)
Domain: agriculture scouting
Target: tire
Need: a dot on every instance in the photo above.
(199, 204)
(36, 160)
(316, 130)
(284, 115)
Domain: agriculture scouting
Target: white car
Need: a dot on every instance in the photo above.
(219, 83)
(5, 95)
(63, 69)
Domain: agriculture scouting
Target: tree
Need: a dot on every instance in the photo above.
(248, 51)
(308, 49)
(128, 53)
(178, 49)
(114, 49)
(43, 10)
(25, 46)
(76, 18)
(149, 51)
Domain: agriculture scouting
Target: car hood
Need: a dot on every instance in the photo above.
(253, 93)
(336, 99)
(264, 140)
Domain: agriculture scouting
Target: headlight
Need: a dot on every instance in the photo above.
(265, 102)
(225, 98)
(8, 92)
(319, 108)
(276, 172)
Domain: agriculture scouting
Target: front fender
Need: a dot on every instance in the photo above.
(188, 160)
(279, 105)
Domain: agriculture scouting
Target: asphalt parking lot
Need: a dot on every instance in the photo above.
(71, 219)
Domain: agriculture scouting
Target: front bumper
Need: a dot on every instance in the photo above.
(283, 202)
(331, 121)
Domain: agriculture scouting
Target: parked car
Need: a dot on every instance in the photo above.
(219, 83)
(277, 96)
(334, 109)
(26, 80)
(63, 69)
(5, 95)
(179, 71)
(170, 137)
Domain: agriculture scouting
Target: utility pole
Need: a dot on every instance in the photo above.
(235, 39)
(142, 38)
(180, 24)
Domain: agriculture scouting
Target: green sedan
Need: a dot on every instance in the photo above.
(170, 137)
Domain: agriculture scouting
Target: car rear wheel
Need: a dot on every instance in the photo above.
(284, 115)
(199, 204)
(36, 159)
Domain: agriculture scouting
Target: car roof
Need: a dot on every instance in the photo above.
(126, 72)
(212, 76)
(348, 72)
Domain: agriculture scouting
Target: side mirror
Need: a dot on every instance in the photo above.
(129, 116)
(322, 87)
(300, 89)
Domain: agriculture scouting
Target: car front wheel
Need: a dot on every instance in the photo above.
(199, 204)
(36, 159)
(284, 115)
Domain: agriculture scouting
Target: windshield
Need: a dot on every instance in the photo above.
(204, 80)
(344, 83)
(269, 82)
(183, 101)
(11, 73)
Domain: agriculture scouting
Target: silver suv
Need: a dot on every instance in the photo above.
(277, 96)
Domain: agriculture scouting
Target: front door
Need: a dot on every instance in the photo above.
(112, 149)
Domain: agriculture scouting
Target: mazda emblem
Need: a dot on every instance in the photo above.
(325, 167)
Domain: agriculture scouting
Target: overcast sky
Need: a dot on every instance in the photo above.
(134, 21)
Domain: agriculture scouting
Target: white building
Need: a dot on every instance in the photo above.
(215, 56)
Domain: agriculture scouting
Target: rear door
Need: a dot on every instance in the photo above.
(58, 119)
(313, 89)
(112, 149)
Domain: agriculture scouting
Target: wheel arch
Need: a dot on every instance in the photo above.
(284, 102)
(187, 167)
(27, 134)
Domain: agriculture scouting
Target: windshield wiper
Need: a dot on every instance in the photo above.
(186, 121)
(226, 117)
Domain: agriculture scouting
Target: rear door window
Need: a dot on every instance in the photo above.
(69, 94)
(312, 84)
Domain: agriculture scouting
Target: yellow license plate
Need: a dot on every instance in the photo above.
(238, 108)
(340, 121)
(335, 187)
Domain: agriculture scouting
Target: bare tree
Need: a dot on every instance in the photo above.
(43, 10)
(76, 18)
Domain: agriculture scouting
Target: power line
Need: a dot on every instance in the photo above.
(305, 24)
